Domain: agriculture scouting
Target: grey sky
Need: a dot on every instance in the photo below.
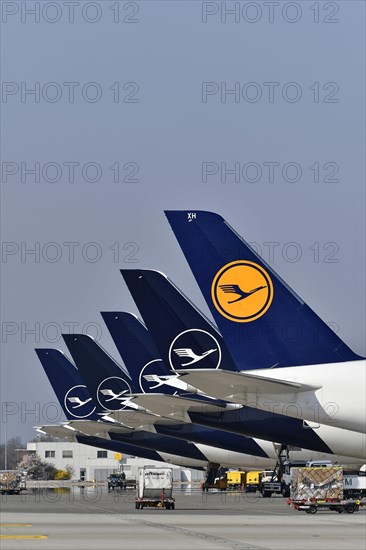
(162, 128)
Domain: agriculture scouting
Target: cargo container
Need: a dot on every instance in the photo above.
(155, 488)
(314, 489)
(316, 483)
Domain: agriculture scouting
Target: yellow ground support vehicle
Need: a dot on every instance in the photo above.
(235, 479)
(253, 481)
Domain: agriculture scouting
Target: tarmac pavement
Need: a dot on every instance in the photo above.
(93, 519)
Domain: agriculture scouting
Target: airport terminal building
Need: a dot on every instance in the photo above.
(94, 464)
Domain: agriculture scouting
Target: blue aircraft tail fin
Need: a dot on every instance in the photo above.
(263, 321)
(138, 351)
(108, 384)
(67, 384)
(184, 337)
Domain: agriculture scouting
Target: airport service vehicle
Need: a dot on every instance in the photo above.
(354, 484)
(220, 484)
(249, 482)
(263, 481)
(12, 482)
(155, 488)
(131, 482)
(117, 480)
(228, 481)
(320, 488)
(252, 481)
(278, 481)
(235, 479)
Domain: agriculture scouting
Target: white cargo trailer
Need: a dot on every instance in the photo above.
(155, 488)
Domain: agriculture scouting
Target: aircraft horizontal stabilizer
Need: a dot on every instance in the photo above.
(59, 431)
(137, 419)
(224, 384)
(96, 429)
(174, 406)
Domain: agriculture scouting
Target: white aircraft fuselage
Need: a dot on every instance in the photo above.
(339, 402)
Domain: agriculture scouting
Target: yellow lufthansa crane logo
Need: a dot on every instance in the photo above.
(242, 291)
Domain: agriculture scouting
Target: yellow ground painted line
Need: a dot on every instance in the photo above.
(4, 537)
(15, 525)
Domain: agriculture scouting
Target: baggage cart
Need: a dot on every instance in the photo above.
(312, 506)
(12, 482)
